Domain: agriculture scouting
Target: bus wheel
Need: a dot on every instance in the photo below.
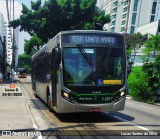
(35, 90)
(49, 101)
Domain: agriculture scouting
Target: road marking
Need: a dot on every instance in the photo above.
(140, 106)
(136, 125)
(130, 103)
(146, 107)
(128, 97)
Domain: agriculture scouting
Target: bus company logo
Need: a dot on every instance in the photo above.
(12, 85)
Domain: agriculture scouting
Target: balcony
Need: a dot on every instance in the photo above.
(115, 1)
(114, 7)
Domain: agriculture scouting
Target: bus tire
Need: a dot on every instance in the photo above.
(34, 88)
(49, 100)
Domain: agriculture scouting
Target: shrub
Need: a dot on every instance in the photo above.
(137, 82)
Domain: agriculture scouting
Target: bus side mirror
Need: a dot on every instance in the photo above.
(57, 55)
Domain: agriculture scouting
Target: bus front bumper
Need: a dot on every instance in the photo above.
(68, 107)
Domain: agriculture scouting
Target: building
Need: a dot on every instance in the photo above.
(9, 32)
(152, 28)
(2, 43)
(127, 15)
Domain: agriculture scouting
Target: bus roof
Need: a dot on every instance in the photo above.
(90, 31)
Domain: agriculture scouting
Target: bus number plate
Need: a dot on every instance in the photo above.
(94, 109)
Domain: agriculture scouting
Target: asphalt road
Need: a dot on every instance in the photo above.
(136, 116)
(141, 114)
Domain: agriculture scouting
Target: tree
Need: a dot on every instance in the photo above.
(32, 45)
(153, 44)
(134, 43)
(23, 60)
(54, 16)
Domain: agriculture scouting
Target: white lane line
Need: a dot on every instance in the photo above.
(129, 103)
(128, 97)
(139, 106)
(146, 107)
(136, 125)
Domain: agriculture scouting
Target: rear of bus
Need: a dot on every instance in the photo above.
(22, 73)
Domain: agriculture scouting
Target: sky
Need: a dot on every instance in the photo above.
(24, 35)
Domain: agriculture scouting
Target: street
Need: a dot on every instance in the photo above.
(27, 113)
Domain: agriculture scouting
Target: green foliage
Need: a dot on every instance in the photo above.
(144, 82)
(134, 42)
(58, 15)
(32, 45)
(152, 44)
(27, 67)
(24, 61)
(137, 83)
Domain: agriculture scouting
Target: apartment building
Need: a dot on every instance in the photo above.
(8, 33)
(127, 15)
(2, 29)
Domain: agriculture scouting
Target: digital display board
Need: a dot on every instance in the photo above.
(91, 39)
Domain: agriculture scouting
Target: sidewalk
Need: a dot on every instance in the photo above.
(14, 114)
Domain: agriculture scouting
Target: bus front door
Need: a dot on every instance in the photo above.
(54, 80)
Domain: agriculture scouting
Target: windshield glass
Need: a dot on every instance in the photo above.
(93, 66)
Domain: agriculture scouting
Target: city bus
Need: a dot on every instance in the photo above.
(81, 71)
(22, 73)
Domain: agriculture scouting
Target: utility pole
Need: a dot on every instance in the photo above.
(3, 42)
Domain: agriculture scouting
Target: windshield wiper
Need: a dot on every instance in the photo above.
(106, 58)
(86, 57)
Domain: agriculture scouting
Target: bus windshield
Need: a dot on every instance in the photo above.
(97, 66)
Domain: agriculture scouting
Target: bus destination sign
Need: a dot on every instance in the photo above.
(90, 39)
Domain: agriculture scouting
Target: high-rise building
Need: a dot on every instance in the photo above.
(127, 15)
(2, 49)
(9, 33)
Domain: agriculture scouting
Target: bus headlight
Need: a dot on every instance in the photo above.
(119, 96)
(65, 94)
(122, 94)
(68, 96)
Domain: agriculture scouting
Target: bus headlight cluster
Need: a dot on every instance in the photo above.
(120, 96)
(68, 96)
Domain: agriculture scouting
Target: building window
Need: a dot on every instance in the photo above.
(135, 5)
(124, 16)
(134, 18)
(112, 29)
(126, 2)
(113, 23)
(115, 3)
(114, 17)
(122, 28)
(154, 7)
(152, 18)
(132, 30)
(115, 10)
(125, 9)
(123, 22)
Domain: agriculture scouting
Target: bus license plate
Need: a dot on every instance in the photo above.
(94, 109)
